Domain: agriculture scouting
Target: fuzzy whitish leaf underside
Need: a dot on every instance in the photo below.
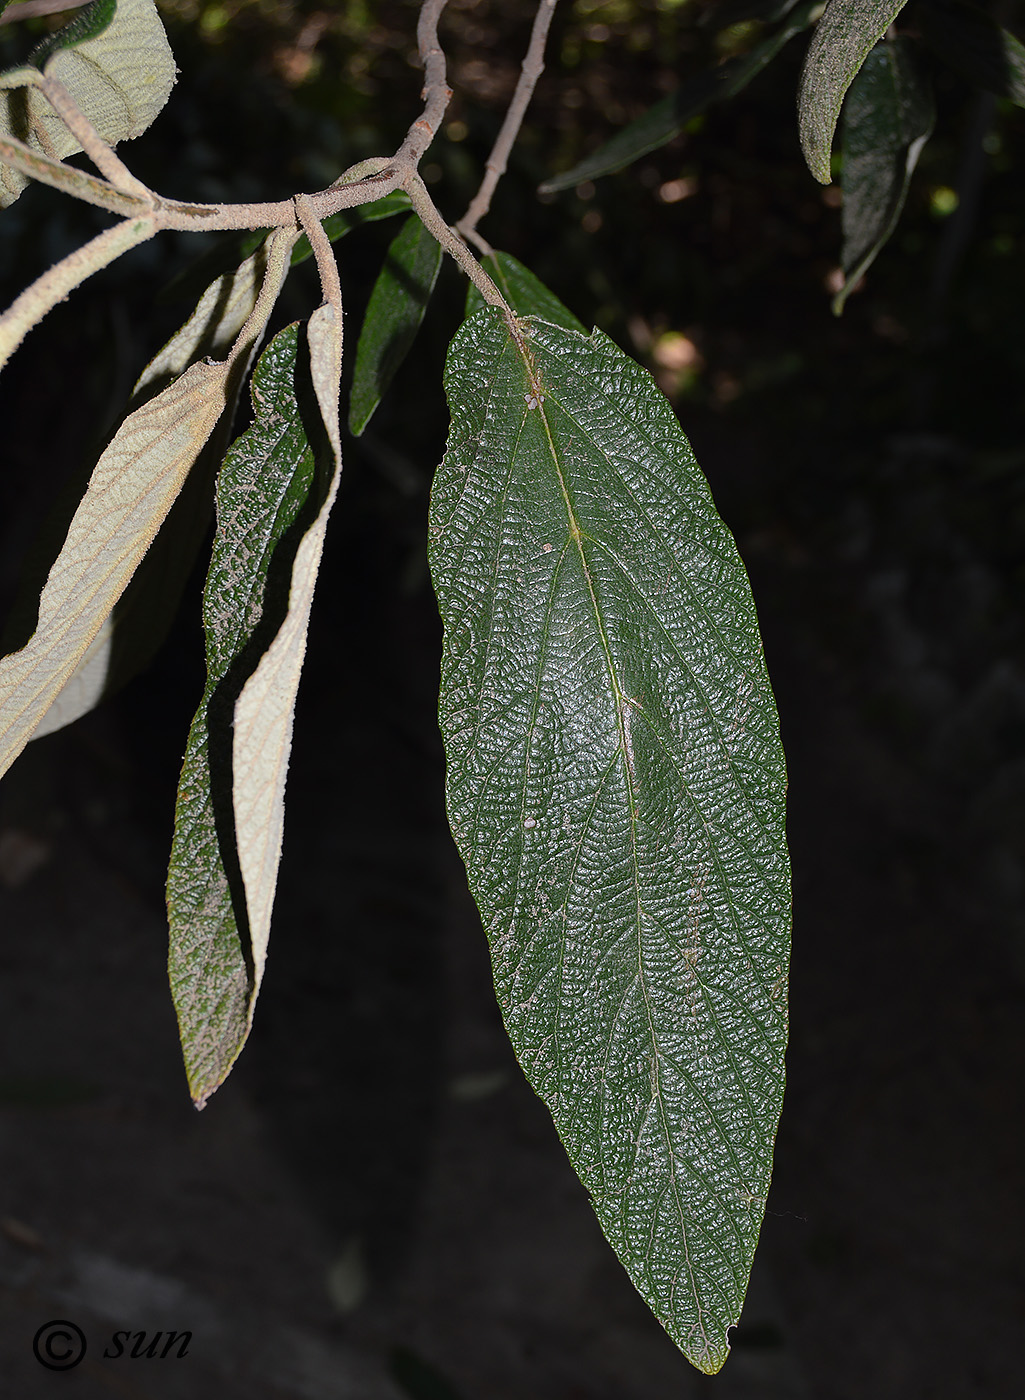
(616, 788)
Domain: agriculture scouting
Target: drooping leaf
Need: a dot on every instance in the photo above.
(394, 312)
(119, 75)
(845, 35)
(974, 44)
(616, 789)
(271, 494)
(526, 295)
(265, 709)
(136, 628)
(888, 117)
(130, 492)
(667, 118)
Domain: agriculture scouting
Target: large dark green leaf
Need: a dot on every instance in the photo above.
(972, 42)
(888, 117)
(844, 37)
(616, 788)
(666, 119)
(271, 485)
(395, 310)
(88, 23)
(525, 294)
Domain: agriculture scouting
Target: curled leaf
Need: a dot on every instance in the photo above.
(119, 70)
(843, 38)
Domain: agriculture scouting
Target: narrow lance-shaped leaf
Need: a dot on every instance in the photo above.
(843, 38)
(137, 626)
(394, 312)
(120, 74)
(132, 487)
(668, 117)
(265, 709)
(616, 788)
(525, 293)
(270, 493)
(888, 117)
(976, 46)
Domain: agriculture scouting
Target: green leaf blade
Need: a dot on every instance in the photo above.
(666, 119)
(888, 117)
(525, 293)
(616, 788)
(843, 38)
(394, 313)
(265, 487)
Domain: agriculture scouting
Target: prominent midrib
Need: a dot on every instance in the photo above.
(621, 700)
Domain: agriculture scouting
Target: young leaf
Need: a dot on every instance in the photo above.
(888, 117)
(667, 118)
(616, 788)
(136, 628)
(972, 42)
(525, 294)
(394, 312)
(120, 75)
(846, 34)
(272, 488)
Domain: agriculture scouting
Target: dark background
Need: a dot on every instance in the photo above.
(376, 1204)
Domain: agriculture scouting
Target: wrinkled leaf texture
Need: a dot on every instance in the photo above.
(616, 789)
(887, 119)
(843, 38)
(120, 75)
(270, 490)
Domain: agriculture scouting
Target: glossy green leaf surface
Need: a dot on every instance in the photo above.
(268, 489)
(888, 117)
(843, 39)
(616, 789)
(974, 44)
(524, 292)
(394, 313)
(667, 118)
(88, 23)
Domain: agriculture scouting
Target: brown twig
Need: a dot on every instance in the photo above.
(436, 92)
(330, 285)
(531, 69)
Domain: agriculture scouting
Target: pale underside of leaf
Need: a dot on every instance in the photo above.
(265, 709)
(616, 788)
(843, 38)
(120, 79)
(131, 490)
(210, 331)
(273, 483)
